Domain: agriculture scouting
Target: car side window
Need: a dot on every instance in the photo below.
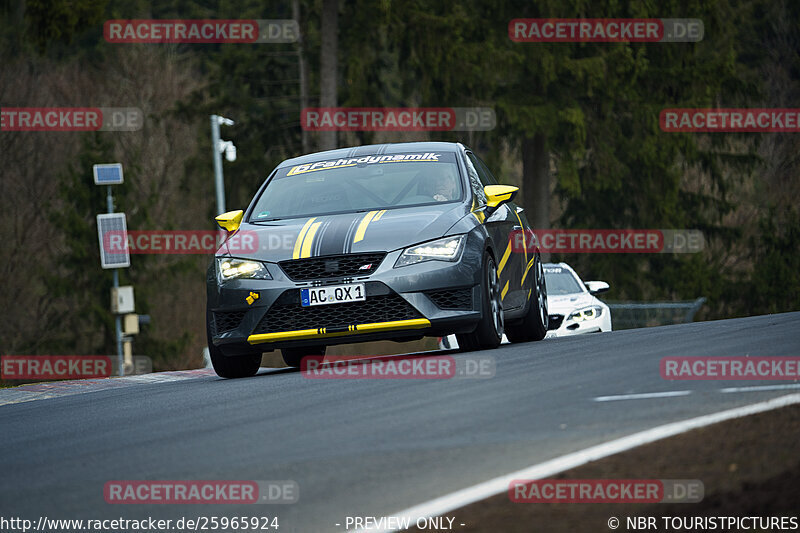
(474, 181)
(489, 176)
(483, 173)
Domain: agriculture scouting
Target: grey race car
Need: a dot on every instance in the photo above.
(391, 241)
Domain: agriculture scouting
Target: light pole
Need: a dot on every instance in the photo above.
(218, 146)
(111, 174)
(117, 317)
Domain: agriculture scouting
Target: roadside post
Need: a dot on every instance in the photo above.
(219, 147)
(108, 175)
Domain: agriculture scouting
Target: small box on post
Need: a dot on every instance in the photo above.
(130, 324)
(122, 300)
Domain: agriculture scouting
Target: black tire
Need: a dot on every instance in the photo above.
(489, 332)
(536, 320)
(231, 367)
(294, 356)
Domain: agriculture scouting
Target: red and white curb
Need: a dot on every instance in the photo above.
(57, 389)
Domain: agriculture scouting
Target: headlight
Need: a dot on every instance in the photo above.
(589, 313)
(241, 268)
(447, 249)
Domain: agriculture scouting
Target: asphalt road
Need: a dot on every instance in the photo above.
(363, 447)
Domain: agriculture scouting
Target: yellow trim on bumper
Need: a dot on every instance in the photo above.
(504, 291)
(300, 334)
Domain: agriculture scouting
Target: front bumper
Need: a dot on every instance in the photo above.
(567, 328)
(432, 298)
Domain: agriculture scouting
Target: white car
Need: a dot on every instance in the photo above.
(571, 303)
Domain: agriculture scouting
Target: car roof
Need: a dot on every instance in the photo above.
(374, 149)
(564, 266)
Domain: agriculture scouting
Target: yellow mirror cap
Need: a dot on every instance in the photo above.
(496, 194)
(499, 190)
(231, 220)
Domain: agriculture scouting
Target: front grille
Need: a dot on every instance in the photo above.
(378, 308)
(227, 321)
(452, 298)
(555, 321)
(334, 266)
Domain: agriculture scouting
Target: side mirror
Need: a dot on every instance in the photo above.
(497, 195)
(596, 287)
(230, 221)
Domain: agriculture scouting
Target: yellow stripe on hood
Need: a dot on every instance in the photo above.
(362, 227)
(299, 242)
(305, 251)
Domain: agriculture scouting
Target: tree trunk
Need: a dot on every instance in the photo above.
(536, 183)
(328, 66)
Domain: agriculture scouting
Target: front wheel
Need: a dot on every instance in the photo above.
(536, 321)
(238, 366)
(489, 332)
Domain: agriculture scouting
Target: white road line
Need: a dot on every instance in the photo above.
(758, 388)
(498, 485)
(643, 396)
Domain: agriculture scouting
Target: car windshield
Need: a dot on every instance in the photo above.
(560, 281)
(360, 184)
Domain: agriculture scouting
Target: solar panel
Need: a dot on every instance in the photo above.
(108, 174)
(112, 231)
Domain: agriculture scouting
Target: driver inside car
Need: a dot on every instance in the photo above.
(445, 187)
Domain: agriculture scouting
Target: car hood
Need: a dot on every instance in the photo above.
(373, 231)
(563, 304)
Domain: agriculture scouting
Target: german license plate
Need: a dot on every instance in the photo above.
(333, 294)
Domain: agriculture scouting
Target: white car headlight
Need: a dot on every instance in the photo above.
(447, 249)
(588, 313)
(229, 268)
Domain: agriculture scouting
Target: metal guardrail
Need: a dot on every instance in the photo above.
(627, 315)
